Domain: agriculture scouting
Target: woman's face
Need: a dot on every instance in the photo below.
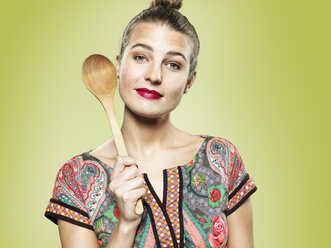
(154, 69)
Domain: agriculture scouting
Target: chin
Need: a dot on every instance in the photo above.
(148, 113)
(148, 109)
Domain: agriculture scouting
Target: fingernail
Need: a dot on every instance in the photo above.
(137, 166)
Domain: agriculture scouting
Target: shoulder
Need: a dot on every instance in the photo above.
(71, 166)
(105, 153)
(221, 147)
(77, 164)
(223, 157)
(79, 173)
(91, 162)
(82, 182)
(79, 188)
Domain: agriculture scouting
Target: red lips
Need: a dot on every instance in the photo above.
(149, 94)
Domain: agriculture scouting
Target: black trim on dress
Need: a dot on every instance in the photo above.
(164, 211)
(180, 208)
(151, 216)
(165, 187)
(227, 213)
(54, 217)
(70, 207)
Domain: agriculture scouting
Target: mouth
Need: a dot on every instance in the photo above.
(149, 94)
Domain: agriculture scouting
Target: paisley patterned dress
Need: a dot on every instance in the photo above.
(197, 198)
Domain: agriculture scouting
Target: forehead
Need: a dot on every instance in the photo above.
(160, 37)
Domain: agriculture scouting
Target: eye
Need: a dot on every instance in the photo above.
(174, 66)
(140, 58)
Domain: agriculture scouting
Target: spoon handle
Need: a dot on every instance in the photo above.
(120, 145)
(117, 134)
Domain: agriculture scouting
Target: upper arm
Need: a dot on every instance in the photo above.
(240, 225)
(67, 207)
(74, 236)
(239, 207)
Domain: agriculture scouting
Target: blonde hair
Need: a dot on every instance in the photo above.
(173, 4)
(165, 12)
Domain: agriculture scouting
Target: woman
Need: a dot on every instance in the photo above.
(195, 188)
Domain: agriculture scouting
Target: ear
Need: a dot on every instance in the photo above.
(118, 65)
(190, 82)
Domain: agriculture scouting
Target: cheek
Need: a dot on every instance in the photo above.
(178, 86)
(178, 93)
(176, 96)
(129, 70)
(128, 76)
(124, 74)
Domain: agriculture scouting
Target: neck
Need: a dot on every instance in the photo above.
(145, 135)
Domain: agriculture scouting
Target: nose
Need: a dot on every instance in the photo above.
(154, 74)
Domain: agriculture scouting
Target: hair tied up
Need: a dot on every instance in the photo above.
(173, 4)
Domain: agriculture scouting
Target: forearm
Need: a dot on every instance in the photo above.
(122, 236)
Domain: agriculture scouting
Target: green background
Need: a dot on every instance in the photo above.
(263, 83)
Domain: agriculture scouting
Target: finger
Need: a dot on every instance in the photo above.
(128, 161)
(130, 173)
(118, 167)
(135, 183)
(133, 195)
(125, 177)
(120, 164)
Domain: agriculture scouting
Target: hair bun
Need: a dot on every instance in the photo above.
(173, 4)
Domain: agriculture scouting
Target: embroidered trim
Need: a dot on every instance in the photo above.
(239, 198)
(167, 219)
(235, 191)
(55, 210)
(172, 205)
(160, 222)
(149, 210)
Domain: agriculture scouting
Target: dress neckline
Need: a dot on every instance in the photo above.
(166, 169)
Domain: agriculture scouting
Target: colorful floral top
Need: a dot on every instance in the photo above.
(197, 198)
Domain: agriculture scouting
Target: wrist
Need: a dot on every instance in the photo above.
(127, 227)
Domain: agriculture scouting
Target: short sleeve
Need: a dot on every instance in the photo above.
(67, 202)
(240, 184)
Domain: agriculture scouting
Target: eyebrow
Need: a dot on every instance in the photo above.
(171, 53)
(143, 46)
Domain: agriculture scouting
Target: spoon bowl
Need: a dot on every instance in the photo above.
(99, 76)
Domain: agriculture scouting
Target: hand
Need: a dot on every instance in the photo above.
(127, 185)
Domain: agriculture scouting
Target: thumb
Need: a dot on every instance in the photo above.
(118, 167)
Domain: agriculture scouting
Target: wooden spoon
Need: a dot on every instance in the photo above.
(99, 76)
